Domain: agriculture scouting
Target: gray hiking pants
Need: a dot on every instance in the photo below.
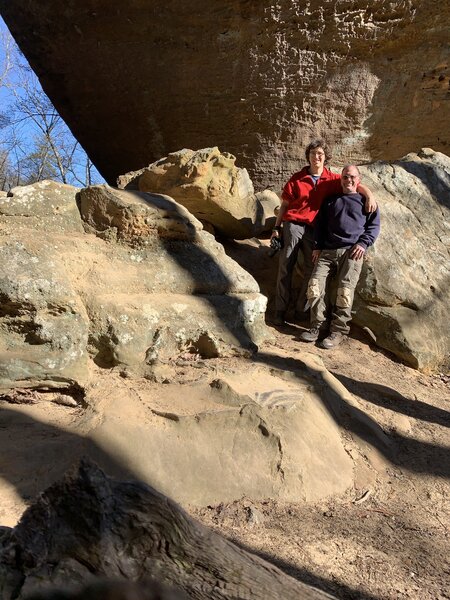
(346, 271)
(295, 237)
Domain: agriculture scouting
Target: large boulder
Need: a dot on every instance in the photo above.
(173, 289)
(403, 295)
(45, 205)
(44, 324)
(258, 79)
(208, 183)
(253, 432)
(142, 284)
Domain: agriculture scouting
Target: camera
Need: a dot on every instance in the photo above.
(275, 245)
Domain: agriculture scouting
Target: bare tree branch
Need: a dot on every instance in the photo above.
(37, 142)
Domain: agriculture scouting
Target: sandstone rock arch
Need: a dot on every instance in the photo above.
(257, 79)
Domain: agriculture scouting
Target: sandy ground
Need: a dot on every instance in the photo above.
(393, 540)
(388, 540)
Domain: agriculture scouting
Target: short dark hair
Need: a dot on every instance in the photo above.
(318, 144)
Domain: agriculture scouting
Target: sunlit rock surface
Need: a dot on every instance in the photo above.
(143, 283)
(209, 184)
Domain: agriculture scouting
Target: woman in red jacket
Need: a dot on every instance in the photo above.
(302, 197)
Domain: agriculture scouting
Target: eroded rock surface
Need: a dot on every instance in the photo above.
(403, 295)
(134, 215)
(143, 284)
(251, 432)
(45, 205)
(212, 188)
(44, 324)
(202, 432)
(257, 79)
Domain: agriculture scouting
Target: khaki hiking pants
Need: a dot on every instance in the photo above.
(334, 264)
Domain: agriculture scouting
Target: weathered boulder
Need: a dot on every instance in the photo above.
(212, 188)
(44, 325)
(403, 296)
(89, 525)
(201, 300)
(202, 432)
(135, 215)
(258, 79)
(253, 433)
(45, 205)
(149, 284)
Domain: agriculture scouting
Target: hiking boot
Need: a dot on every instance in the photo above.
(333, 340)
(279, 318)
(310, 336)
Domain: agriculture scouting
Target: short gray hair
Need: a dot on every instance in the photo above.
(354, 166)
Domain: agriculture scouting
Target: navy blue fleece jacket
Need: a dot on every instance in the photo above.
(342, 222)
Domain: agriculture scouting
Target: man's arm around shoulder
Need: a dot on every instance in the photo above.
(370, 205)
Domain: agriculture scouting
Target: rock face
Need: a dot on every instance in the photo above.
(44, 324)
(88, 525)
(258, 79)
(133, 215)
(403, 296)
(44, 206)
(212, 188)
(150, 285)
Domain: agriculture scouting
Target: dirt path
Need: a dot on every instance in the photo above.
(389, 539)
(393, 540)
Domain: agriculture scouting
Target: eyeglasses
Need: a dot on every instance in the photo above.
(352, 177)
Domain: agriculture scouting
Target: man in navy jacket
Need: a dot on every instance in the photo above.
(343, 232)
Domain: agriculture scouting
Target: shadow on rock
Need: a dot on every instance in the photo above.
(88, 525)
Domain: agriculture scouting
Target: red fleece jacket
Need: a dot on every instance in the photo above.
(305, 198)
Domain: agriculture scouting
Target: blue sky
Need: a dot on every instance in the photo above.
(28, 131)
